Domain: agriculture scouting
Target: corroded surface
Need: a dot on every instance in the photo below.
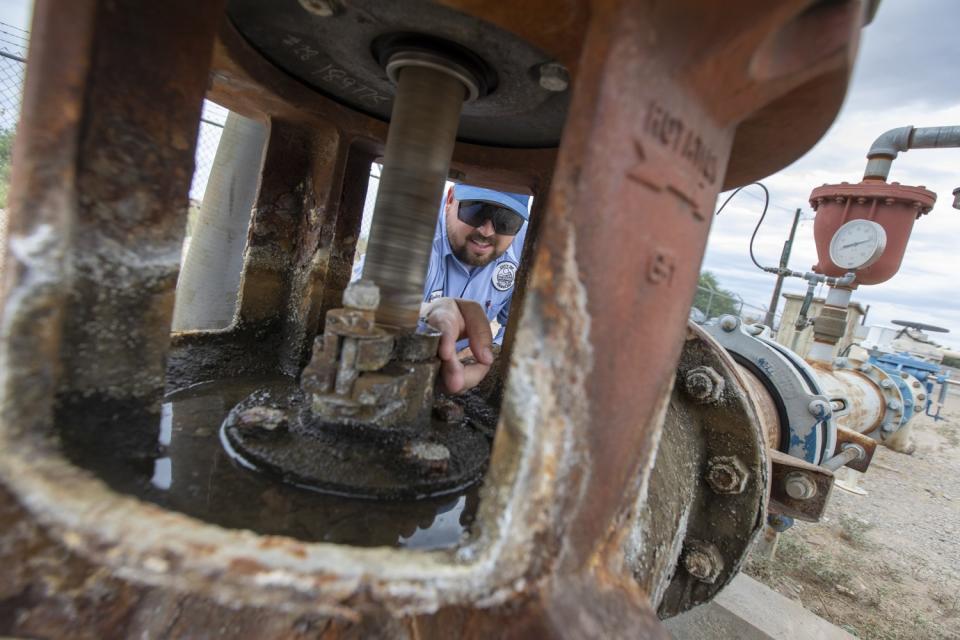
(101, 168)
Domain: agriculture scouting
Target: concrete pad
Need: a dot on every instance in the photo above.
(749, 610)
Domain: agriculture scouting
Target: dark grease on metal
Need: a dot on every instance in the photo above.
(176, 460)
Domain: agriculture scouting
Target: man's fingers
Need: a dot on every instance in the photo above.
(452, 374)
(477, 330)
(449, 328)
(473, 374)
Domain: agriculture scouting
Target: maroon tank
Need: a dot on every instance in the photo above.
(893, 206)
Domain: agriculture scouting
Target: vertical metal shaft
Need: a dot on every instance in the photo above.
(423, 129)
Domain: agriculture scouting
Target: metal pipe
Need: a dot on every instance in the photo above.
(209, 281)
(890, 143)
(423, 130)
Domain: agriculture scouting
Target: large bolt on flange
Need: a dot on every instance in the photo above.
(799, 486)
(703, 561)
(704, 384)
(727, 474)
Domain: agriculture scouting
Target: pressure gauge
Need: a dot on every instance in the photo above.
(857, 244)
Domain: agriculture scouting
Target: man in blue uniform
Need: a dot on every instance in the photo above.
(473, 266)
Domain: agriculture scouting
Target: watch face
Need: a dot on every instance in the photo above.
(857, 244)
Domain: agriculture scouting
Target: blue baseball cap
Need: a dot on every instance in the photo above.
(516, 202)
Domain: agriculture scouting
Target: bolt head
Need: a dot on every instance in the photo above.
(727, 474)
(886, 383)
(729, 323)
(840, 363)
(820, 409)
(703, 561)
(799, 486)
(320, 8)
(553, 76)
(363, 295)
(865, 368)
(887, 427)
(704, 384)
(894, 405)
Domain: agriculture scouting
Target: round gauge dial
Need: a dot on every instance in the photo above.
(857, 244)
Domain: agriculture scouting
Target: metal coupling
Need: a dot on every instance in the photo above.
(727, 474)
(703, 561)
(798, 486)
(704, 384)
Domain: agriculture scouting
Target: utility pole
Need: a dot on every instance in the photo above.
(784, 259)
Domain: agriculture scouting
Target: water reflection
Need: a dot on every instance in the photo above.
(177, 461)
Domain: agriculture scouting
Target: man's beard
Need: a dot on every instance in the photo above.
(465, 256)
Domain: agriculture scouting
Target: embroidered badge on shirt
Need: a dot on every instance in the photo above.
(504, 275)
(434, 295)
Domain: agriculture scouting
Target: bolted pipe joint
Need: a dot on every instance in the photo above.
(704, 384)
(703, 561)
(727, 474)
(799, 486)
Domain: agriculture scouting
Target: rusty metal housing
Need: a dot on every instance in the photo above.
(663, 112)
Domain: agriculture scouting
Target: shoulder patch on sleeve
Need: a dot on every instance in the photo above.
(504, 275)
(434, 295)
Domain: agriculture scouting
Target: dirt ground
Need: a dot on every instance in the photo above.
(885, 565)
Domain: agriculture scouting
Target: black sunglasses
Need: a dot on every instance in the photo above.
(505, 221)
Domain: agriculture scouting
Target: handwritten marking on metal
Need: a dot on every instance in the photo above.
(331, 73)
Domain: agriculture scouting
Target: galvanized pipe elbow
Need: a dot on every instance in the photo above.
(890, 143)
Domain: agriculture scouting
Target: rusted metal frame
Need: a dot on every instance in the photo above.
(133, 171)
(329, 227)
(809, 510)
(868, 444)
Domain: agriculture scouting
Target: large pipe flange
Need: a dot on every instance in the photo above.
(711, 462)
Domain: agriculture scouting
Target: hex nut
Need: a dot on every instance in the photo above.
(363, 295)
(799, 486)
(727, 474)
(703, 561)
(704, 384)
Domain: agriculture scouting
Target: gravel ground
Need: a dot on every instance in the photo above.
(887, 564)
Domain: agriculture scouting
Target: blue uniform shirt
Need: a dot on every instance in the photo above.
(490, 286)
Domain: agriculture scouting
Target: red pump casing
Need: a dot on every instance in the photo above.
(893, 206)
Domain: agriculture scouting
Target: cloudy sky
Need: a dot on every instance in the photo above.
(906, 74)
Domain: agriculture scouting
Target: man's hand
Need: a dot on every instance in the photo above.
(457, 319)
